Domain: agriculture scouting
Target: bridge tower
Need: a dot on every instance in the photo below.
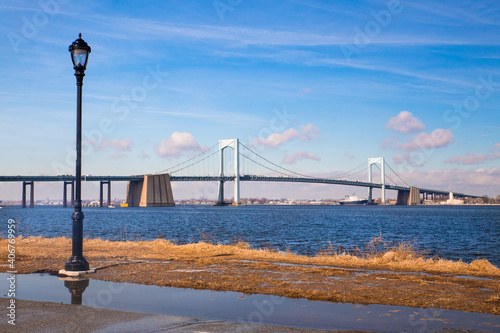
(372, 161)
(235, 144)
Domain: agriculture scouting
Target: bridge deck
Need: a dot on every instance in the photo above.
(229, 178)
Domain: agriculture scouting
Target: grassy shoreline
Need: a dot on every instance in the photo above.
(377, 254)
(389, 274)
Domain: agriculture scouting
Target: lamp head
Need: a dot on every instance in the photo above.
(79, 53)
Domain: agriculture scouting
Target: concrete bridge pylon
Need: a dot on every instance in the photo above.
(235, 144)
(372, 161)
(152, 191)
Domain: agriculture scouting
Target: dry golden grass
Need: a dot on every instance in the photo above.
(399, 257)
(494, 299)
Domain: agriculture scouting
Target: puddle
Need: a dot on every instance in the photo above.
(469, 277)
(360, 271)
(238, 307)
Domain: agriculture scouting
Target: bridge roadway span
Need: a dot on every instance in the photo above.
(230, 178)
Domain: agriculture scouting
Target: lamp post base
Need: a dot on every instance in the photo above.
(77, 263)
(76, 273)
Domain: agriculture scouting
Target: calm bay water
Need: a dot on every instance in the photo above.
(453, 232)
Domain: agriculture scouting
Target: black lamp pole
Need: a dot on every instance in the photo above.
(79, 55)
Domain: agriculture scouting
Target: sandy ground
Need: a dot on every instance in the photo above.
(390, 278)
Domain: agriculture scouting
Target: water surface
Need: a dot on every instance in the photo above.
(453, 232)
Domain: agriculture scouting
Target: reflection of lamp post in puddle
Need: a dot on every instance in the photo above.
(76, 286)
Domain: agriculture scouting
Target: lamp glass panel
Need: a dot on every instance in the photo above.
(79, 57)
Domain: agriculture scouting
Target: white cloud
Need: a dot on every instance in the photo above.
(349, 155)
(176, 144)
(277, 139)
(301, 155)
(495, 149)
(474, 158)
(309, 132)
(466, 181)
(389, 142)
(114, 144)
(117, 145)
(470, 159)
(415, 161)
(405, 123)
(438, 138)
(305, 133)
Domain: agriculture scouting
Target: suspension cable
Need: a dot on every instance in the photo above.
(276, 165)
(215, 152)
(348, 173)
(404, 182)
(262, 165)
(178, 165)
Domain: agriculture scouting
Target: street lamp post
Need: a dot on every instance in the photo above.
(79, 55)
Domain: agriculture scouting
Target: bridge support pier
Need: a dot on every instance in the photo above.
(411, 197)
(220, 199)
(101, 203)
(153, 191)
(32, 194)
(65, 195)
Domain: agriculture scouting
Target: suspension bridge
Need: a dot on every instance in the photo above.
(231, 160)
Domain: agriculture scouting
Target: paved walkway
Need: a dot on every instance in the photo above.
(57, 317)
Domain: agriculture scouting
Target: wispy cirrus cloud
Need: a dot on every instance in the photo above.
(220, 117)
(301, 155)
(239, 35)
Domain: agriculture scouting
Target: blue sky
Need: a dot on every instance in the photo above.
(415, 82)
